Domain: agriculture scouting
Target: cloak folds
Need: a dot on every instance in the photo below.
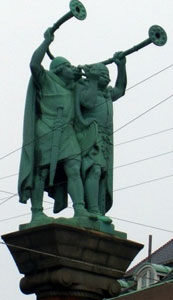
(28, 162)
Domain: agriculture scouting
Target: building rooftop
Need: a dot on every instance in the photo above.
(162, 256)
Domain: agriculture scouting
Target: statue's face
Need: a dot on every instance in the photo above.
(103, 79)
(67, 72)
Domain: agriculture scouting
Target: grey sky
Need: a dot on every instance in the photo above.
(110, 26)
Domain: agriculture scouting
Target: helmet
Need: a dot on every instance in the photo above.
(102, 68)
(57, 62)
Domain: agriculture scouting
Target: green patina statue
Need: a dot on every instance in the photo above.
(68, 133)
(67, 141)
(51, 156)
(95, 132)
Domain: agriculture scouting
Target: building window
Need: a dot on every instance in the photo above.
(151, 277)
(145, 279)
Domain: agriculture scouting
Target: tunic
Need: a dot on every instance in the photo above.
(45, 96)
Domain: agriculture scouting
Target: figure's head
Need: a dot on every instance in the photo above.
(103, 71)
(62, 67)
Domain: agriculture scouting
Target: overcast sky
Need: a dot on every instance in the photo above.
(110, 26)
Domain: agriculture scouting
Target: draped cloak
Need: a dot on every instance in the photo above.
(30, 156)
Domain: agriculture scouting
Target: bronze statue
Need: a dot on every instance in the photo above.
(55, 162)
(68, 131)
(95, 110)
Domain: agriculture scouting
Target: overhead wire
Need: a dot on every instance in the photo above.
(149, 77)
(8, 176)
(116, 190)
(115, 145)
(142, 137)
(59, 257)
(1, 199)
(126, 124)
(6, 192)
(33, 141)
(13, 195)
(144, 182)
(114, 218)
(144, 225)
(144, 159)
(153, 75)
(142, 114)
(120, 166)
(1, 203)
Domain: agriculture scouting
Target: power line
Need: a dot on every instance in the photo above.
(20, 216)
(1, 199)
(113, 132)
(109, 134)
(142, 137)
(8, 199)
(120, 166)
(6, 192)
(57, 256)
(114, 218)
(141, 224)
(123, 188)
(147, 78)
(15, 217)
(141, 183)
(12, 152)
(115, 145)
(8, 176)
(136, 223)
(145, 112)
(151, 76)
(32, 141)
(144, 159)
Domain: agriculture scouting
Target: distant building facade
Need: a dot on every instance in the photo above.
(150, 280)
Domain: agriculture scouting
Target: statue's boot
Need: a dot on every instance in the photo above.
(39, 215)
(104, 219)
(95, 213)
(37, 198)
(80, 211)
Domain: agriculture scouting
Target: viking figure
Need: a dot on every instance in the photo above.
(51, 155)
(95, 132)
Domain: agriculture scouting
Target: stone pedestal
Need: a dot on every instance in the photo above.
(61, 261)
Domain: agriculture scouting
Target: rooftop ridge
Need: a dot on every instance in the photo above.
(128, 273)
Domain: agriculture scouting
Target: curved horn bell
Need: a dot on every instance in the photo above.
(77, 10)
(157, 36)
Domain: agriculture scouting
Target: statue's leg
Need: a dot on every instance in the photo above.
(92, 193)
(37, 194)
(92, 188)
(75, 186)
(102, 195)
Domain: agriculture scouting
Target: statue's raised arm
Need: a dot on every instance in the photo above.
(121, 82)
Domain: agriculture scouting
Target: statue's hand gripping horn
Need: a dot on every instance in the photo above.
(77, 10)
(157, 36)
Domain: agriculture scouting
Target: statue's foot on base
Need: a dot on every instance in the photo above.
(93, 223)
(38, 219)
(105, 219)
(98, 216)
(39, 216)
(81, 212)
